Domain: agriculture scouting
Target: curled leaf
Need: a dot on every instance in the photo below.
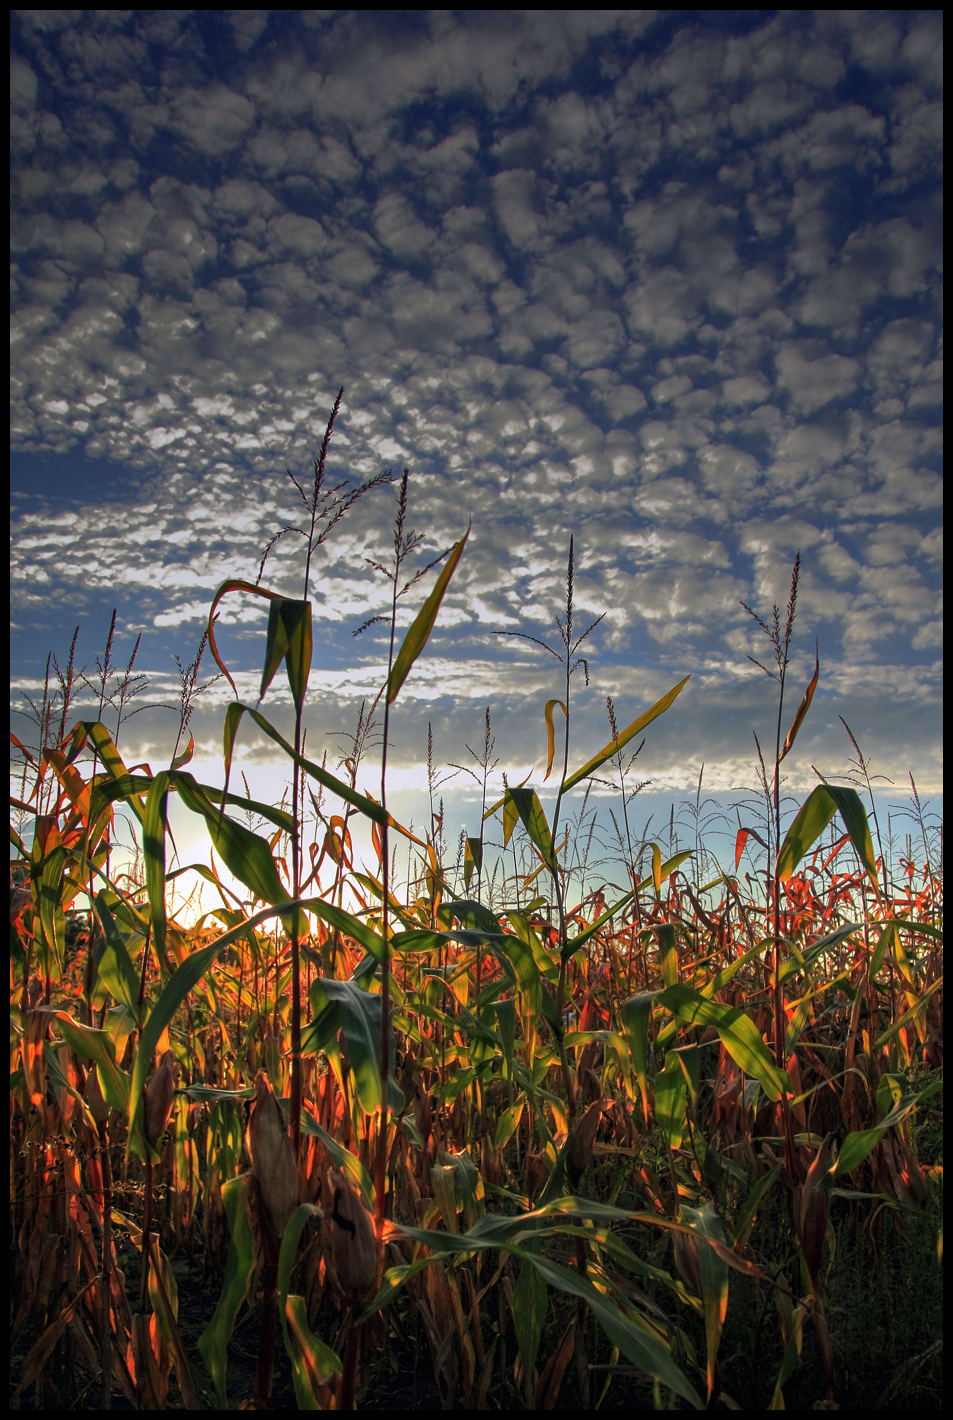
(804, 706)
(551, 734)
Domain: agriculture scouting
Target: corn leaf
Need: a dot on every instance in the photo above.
(614, 746)
(813, 817)
(531, 812)
(289, 639)
(551, 734)
(416, 638)
(739, 1035)
(803, 708)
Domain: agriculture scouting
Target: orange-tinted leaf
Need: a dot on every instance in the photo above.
(740, 840)
(71, 780)
(181, 760)
(548, 1385)
(804, 706)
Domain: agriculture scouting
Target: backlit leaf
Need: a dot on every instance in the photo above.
(416, 638)
(289, 639)
(551, 734)
(534, 821)
(813, 817)
(614, 746)
(804, 706)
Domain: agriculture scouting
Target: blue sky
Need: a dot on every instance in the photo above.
(666, 281)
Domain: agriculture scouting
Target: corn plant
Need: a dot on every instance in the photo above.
(566, 1148)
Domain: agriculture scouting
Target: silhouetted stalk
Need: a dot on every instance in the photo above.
(104, 1199)
(570, 649)
(325, 506)
(773, 895)
(404, 544)
(349, 1362)
(381, 1161)
(146, 1234)
(557, 885)
(635, 925)
(484, 762)
(128, 687)
(265, 1365)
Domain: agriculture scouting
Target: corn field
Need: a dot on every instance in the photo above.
(349, 1143)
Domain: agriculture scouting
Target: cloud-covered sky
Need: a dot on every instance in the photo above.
(665, 281)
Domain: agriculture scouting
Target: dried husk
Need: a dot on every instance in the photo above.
(354, 1248)
(581, 1144)
(159, 1094)
(815, 1207)
(93, 1096)
(272, 1157)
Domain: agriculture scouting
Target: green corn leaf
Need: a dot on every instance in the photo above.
(506, 1021)
(714, 1279)
(213, 1343)
(98, 1046)
(507, 1124)
(244, 853)
(280, 634)
(614, 746)
(102, 742)
(351, 927)
(813, 817)
(530, 1300)
(738, 1033)
(129, 787)
(114, 964)
(551, 734)
(51, 911)
(445, 1195)
(671, 1096)
(474, 915)
(472, 859)
(660, 870)
(342, 1005)
(289, 639)
(534, 821)
(170, 998)
(857, 1145)
(369, 807)
(635, 1338)
(416, 638)
(668, 954)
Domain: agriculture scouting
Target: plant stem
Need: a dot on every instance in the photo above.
(379, 1177)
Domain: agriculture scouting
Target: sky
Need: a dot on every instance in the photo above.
(665, 282)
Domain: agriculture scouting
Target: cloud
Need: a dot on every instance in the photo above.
(668, 284)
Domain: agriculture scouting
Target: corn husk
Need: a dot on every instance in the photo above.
(583, 1139)
(354, 1248)
(159, 1094)
(272, 1157)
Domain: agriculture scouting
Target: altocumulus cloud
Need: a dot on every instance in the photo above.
(668, 281)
